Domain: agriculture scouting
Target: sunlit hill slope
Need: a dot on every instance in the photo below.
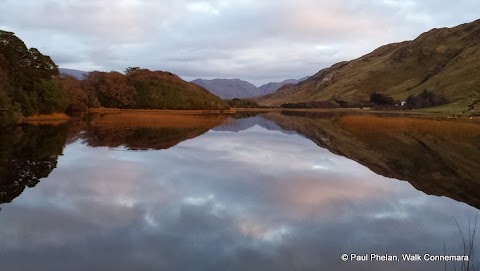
(445, 61)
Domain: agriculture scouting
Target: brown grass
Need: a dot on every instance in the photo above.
(160, 111)
(44, 119)
(369, 124)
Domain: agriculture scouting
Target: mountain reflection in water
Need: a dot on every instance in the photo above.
(437, 157)
(211, 193)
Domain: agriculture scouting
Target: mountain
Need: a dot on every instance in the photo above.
(274, 86)
(75, 73)
(236, 88)
(443, 61)
(228, 88)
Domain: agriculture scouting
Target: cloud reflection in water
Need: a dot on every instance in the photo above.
(256, 199)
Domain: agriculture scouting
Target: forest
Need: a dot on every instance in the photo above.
(30, 84)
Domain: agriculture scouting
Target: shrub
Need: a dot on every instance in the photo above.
(380, 99)
(425, 99)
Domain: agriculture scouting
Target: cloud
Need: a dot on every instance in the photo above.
(254, 40)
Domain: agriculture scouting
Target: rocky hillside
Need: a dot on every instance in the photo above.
(444, 61)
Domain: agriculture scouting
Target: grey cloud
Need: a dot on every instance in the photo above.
(255, 40)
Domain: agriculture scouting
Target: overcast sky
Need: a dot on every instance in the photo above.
(255, 40)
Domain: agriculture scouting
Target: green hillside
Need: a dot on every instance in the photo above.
(444, 61)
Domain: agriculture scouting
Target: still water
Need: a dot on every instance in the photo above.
(276, 191)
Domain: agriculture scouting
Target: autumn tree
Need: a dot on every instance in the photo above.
(112, 89)
(42, 65)
(29, 76)
(8, 112)
(51, 97)
(30, 84)
(130, 70)
(76, 97)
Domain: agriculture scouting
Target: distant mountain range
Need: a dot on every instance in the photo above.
(223, 88)
(444, 61)
(274, 86)
(75, 73)
(236, 88)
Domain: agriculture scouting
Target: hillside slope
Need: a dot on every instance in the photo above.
(444, 61)
(274, 86)
(236, 88)
(145, 89)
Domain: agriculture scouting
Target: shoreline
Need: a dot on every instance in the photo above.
(58, 118)
(47, 119)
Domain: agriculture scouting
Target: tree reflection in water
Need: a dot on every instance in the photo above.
(28, 153)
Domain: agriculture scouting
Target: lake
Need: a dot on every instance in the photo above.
(253, 191)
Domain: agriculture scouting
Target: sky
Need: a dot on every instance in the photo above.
(258, 41)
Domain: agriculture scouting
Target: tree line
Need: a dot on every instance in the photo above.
(30, 83)
(421, 100)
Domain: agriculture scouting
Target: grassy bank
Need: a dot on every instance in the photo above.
(51, 119)
(162, 111)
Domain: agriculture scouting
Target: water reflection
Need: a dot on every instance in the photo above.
(438, 157)
(238, 197)
(145, 130)
(27, 154)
